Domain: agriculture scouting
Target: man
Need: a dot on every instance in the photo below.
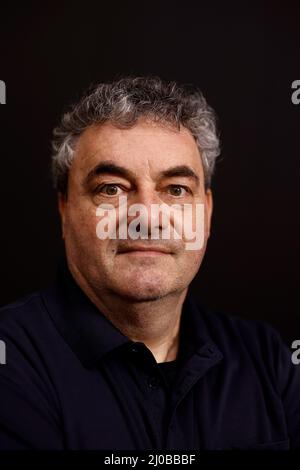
(117, 354)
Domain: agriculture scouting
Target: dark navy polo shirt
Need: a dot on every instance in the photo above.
(72, 380)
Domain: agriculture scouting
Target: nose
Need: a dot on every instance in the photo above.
(144, 204)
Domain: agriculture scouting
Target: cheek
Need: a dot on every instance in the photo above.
(81, 224)
(195, 257)
(191, 262)
(194, 219)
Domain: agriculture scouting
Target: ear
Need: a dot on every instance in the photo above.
(209, 210)
(61, 199)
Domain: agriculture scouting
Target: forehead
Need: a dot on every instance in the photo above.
(145, 147)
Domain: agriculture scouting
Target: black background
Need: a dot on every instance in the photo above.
(244, 58)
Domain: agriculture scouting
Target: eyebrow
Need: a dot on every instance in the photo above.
(117, 170)
(107, 167)
(181, 170)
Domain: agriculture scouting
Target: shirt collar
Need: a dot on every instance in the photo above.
(91, 335)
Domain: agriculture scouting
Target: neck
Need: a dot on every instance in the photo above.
(156, 323)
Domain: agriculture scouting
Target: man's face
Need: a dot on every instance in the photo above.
(149, 164)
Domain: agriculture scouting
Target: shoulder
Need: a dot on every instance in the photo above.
(251, 344)
(235, 330)
(25, 327)
(26, 376)
(21, 304)
(28, 337)
(27, 314)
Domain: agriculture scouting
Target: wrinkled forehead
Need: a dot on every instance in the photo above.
(146, 148)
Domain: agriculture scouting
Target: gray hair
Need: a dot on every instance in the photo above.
(122, 102)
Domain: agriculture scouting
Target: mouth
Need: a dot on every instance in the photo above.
(145, 251)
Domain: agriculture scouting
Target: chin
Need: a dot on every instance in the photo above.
(146, 292)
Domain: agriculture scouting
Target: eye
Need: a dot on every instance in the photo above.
(177, 190)
(108, 189)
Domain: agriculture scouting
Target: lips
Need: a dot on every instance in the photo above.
(146, 249)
